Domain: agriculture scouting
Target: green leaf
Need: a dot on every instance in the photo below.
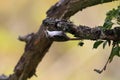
(115, 52)
(113, 14)
(104, 44)
(97, 43)
(108, 24)
(109, 42)
(118, 54)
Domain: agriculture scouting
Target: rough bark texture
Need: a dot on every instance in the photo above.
(37, 44)
(80, 32)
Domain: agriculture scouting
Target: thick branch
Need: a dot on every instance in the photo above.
(71, 7)
(38, 44)
(80, 32)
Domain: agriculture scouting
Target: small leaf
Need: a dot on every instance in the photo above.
(108, 24)
(109, 42)
(104, 44)
(118, 54)
(96, 44)
(81, 43)
(115, 52)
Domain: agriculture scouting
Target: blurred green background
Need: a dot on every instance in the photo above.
(65, 60)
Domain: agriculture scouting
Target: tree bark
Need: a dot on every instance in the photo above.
(37, 44)
(79, 32)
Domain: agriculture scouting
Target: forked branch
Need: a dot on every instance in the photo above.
(38, 44)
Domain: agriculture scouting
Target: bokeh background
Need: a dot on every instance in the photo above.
(65, 60)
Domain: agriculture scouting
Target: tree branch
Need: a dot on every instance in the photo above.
(71, 7)
(80, 32)
(38, 44)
